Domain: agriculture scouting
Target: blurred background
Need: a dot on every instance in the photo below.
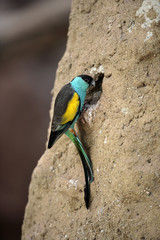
(33, 35)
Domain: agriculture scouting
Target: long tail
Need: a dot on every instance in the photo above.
(88, 161)
(87, 165)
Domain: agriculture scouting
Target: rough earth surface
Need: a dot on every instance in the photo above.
(121, 131)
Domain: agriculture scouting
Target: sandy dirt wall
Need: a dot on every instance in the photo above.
(121, 131)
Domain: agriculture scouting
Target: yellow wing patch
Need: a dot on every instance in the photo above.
(71, 110)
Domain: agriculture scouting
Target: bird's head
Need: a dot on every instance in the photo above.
(83, 82)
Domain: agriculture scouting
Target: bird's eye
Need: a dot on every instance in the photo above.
(87, 80)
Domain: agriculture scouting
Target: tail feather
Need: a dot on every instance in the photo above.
(87, 166)
(87, 177)
(88, 161)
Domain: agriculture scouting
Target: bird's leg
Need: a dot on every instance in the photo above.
(73, 131)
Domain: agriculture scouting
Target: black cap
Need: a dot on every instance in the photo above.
(88, 79)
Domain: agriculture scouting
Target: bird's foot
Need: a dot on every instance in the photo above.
(73, 132)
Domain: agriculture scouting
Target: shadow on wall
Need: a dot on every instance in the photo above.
(28, 61)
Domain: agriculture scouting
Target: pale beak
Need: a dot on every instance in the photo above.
(93, 83)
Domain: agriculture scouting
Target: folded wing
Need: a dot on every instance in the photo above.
(66, 109)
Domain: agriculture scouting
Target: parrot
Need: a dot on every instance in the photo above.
(68, 107)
